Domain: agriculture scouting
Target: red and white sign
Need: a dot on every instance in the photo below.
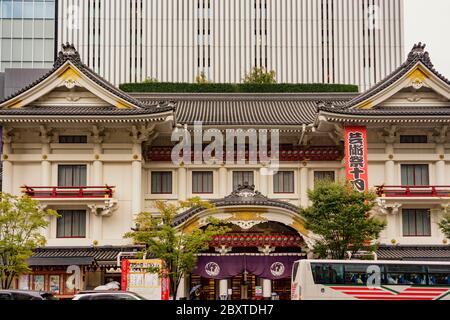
(137, 278)
(356, 157)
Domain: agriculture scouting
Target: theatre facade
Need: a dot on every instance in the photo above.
(99, 156)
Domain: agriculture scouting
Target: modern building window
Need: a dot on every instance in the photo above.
(324, 176)
(71, 224)
(415, 175)
(72, 139)
(283, 182)
(72, 175)
(416, 222)
(413, 139)
(241, 178)
(202, 182)
(27, 33)
(162, 182)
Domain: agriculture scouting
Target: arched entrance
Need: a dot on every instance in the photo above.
(254, 259)
(249, 264)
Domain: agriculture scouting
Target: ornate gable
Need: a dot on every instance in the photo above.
(414, 92)
(414, 84)
(71, 88)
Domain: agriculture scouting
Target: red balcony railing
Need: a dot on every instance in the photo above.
(69, 192)
(285, 153)
(413, 191)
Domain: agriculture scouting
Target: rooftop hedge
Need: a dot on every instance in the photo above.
(166, 87)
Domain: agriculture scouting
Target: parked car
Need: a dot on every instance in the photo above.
(107, 295)
(26, 295)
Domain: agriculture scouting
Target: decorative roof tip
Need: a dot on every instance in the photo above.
(418, 53)
(68, 53)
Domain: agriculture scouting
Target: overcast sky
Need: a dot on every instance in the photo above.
(428, 21)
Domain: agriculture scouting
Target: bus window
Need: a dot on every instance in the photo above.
(439, 275)
(406, 274)
(326, 273)
(356, 274)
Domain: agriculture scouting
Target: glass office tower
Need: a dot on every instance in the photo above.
(27, 33)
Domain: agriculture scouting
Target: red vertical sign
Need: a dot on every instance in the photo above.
(356, 157)
(165, 286)
(125, 267)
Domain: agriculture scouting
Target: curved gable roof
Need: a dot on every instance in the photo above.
(69, 63)
(244, 195)
(417, 56)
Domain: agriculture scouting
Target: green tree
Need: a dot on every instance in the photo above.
(444, 225)
(201, 78)
(339, 216)
(176, 248)
(21, 224)
(260, 76)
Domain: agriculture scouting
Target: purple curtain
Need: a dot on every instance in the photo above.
(266, 267)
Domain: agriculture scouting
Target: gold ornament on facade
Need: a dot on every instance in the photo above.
(135, 157)
(445, 241)
(441, 156)
(393, 241)
(45, 157)
(391, 156)
(305, 163)
(97, 157)
(5, 157)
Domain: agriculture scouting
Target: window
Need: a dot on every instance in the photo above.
(72, 139)
(162, 182)
(202, 182)
(241, 178)
(406, 274)
(413, 139)
(5, 296)
(416, 222)
(356, 274)
(326, 273)
(283, 182)
(23, 296)
(71, 224)
(438, 275)
(324, 176)
(72, 175)
(415, 175)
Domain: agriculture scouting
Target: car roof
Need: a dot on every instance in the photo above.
(104, 291)
(30, 292)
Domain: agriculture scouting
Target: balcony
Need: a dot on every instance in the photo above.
(413, 191)
(103, 192)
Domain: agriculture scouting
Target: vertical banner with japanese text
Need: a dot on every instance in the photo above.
(356, 157)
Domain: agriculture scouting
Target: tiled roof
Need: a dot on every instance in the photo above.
(69, 53)
(83, 110)
(67, 255)
(417, 54)
(244, 195)
(414, 253)
(247, 109)
(393, 111)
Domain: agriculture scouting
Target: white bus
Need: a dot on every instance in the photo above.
(370, 280)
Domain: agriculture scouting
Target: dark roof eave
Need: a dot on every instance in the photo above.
(85, 118)
(385, 118)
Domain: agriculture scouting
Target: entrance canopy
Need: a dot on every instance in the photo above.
(221, 267)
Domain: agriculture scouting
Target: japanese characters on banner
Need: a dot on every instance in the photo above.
(137, 278)
(356, 157)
